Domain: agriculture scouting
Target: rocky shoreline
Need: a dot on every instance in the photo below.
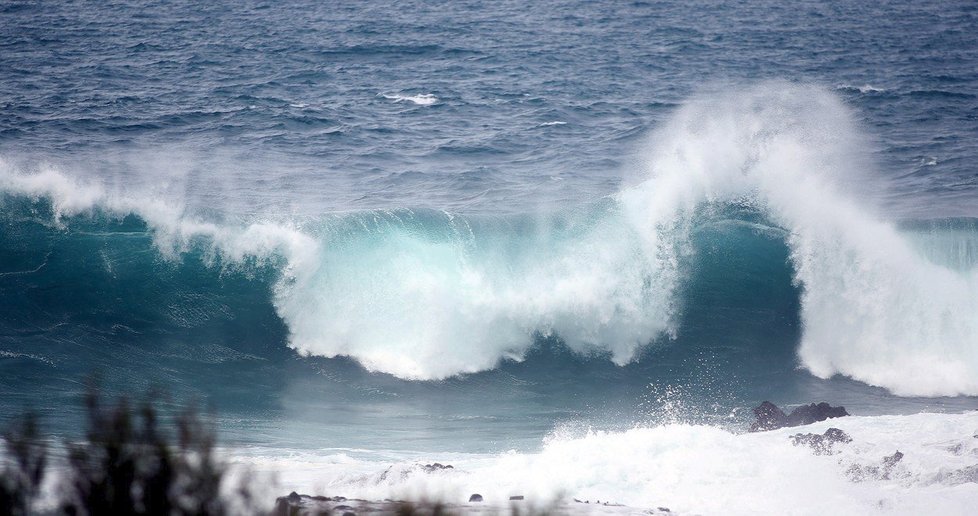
(884, 464)
(768, 417)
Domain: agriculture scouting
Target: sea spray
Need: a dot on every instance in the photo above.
(873, 308)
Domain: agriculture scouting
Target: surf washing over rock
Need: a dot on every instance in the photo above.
(425, 294)
(722, 472)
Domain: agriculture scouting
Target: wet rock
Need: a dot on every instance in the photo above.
(295, 504)
(516, 497)
(475, 498)
(770, 417)
(821, 444)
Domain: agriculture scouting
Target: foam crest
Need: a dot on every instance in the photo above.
(873, 307)
(174, 230)
(423, 99)
(430, 295)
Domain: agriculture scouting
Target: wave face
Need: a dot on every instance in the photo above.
(768, 181)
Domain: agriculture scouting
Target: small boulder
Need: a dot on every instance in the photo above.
(516, 497)
(475, 498)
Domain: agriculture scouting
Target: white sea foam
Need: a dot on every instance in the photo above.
(865, 88)
(423, 304)
(424, 99)
(689, 469)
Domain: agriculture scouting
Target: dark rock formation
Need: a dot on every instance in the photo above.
(808, 414)
(516, 497)
(770, 417)
(821, 444)
(475, 498)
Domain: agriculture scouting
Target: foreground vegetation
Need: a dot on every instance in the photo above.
(126, 465)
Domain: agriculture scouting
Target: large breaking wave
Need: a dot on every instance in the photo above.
(426, 294)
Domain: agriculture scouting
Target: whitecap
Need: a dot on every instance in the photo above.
(424, 99)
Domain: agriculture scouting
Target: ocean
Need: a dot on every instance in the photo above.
(564, 246)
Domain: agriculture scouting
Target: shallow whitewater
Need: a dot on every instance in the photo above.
(689, 469)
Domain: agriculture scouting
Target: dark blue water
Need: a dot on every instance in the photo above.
(338, 215)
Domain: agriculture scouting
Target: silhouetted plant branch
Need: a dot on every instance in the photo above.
(125, 465)
(20, 479)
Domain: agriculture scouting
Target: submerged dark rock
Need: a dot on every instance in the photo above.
(821, 444)
(475, 498)
(770, 417)
(966, 475)
(428, 468)
(516, 497)
(858, 473)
